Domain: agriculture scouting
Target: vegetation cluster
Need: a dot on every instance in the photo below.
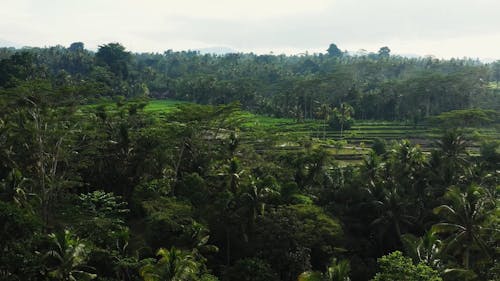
(124, 190)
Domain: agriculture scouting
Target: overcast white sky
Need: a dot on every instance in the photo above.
(444, 28)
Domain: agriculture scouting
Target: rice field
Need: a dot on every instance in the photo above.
(267, 133)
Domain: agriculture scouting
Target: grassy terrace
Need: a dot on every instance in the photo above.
(286, 134)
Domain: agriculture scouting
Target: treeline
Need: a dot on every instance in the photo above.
(377, 85)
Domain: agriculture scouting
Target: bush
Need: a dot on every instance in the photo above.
(396, 267)
(379, 146)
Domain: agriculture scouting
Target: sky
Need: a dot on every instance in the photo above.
(442, 28)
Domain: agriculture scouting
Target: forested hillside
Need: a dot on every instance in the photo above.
(377, 85)
(95, 184)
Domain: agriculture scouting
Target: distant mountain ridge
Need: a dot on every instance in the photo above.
(7, 43)
(217, 50)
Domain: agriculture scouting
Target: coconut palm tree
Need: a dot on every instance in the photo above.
(69, 257)
(253, 203)
(450, 160)
(453, 145)
(426, 249)
(172, 265)
(343, 114)
(392, 210)
(337, 271)
(324, 113)
(463, 220)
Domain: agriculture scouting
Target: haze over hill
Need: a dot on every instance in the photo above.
(446, 28)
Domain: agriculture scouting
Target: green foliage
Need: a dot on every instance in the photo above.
(466, 118)
(168, 222)
(172, 265)
(304, 232)
(310, 276)
(100, 217)
(379, 146)
(337, 271)
(114, 56)
(18, 239)
(250, 269)
(334, 51)
(395, 267)
(490, 152)
(384, 52)
(426, 249)
(68, 258)
(342, 118)
(464, 217)
(246, 173)
(15, 220)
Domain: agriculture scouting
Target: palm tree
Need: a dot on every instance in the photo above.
(233, 174)
(426, 249)
(70, 257)
(464, 219)
(343, 114)
(173, 265)
(453, 145)
(254, 202)
(451, 158)
(407, 161)
(324, 112)
(337, 271)
(393, 211)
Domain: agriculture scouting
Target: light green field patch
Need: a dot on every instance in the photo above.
(162, 106)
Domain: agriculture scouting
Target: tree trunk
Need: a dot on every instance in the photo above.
(466, 258)
(324, 129)
(228, 248)
(177, 166)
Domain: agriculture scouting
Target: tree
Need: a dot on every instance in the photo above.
(495, 67)
(463, 220)
(67, 261)
(101, 217)
(465, 118)
(334, 51)
(490, 153)
(392, 211)
(76, 47)
(337, 271)
(172, 265)
(396, 267)
(324, 113)
(379, 146)
(425, 249)
(384, 52)
(450, 161)
(254, 200)
(20, 67)
(114, 56)
(292, 238)
(343, 117)
(168, 222)
(18, 260)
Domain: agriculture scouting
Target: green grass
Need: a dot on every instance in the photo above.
(162, 106)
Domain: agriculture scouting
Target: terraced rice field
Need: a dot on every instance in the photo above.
(269, 133)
